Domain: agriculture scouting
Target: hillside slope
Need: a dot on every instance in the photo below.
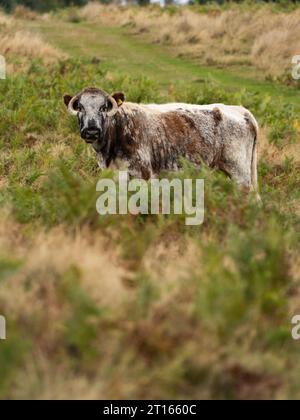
(141, 306)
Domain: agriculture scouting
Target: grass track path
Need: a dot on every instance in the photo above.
(135, 56)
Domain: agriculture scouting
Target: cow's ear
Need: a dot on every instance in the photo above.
(119, 97)
(67, 99)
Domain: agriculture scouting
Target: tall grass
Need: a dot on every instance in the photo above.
(141, 306)
(16, 43)
(239, 35)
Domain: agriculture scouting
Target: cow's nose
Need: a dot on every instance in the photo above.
(91, 134)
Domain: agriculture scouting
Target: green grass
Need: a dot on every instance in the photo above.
(133, 55)
(218, 329)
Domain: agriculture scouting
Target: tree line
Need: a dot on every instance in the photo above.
(40, 5)
(46, 5)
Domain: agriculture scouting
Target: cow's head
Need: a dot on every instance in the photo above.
(94, 109)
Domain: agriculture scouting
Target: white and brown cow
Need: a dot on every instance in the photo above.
(152, 138)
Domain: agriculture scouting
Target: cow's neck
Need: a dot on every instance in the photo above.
(120, 139)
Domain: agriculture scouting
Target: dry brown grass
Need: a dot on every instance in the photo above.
(272, 154)
(5, 21)
(37, 298)
(49, 254)
(258, 37)
(21, 43)
(22, 12)
(38, 306)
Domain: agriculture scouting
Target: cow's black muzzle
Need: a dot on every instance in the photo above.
(90, 135)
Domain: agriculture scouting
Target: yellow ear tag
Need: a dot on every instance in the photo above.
(120, 102)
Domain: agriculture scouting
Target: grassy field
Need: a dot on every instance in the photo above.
(140, 306)
(251, 39)
(134, 56)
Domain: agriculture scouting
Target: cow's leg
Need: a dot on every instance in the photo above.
(140, 166)
(140, 171)
(237, 161)
(136, 168)
(120, 164)
(244, 167)
(239, 170)
(242, 176)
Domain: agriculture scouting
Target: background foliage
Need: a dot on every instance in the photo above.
(132, 307)
(46, 5)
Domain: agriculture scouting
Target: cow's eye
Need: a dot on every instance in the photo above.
(77, 106)
(103, 109)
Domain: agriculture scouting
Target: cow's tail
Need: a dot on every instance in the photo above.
(254, 176)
